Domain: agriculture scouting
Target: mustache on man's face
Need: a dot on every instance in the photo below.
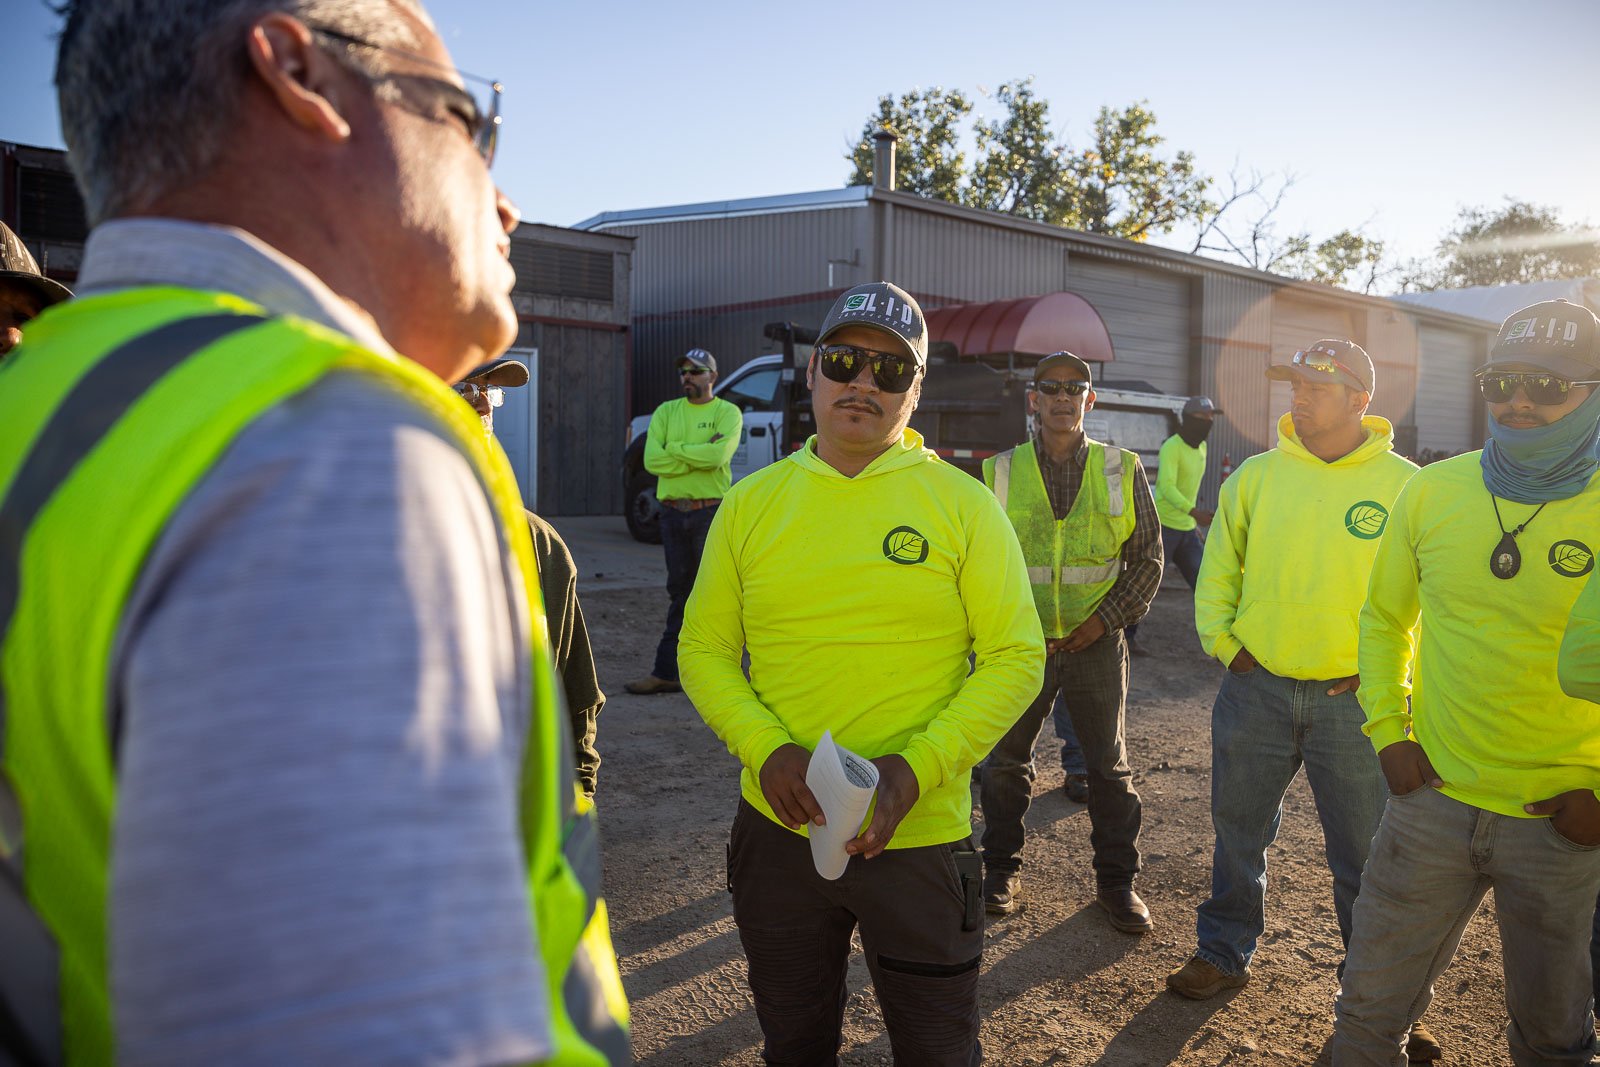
(867, 402)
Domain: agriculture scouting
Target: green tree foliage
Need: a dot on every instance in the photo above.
(1520, 242)
(1120, 184)
(1348, 259)
(929, 161)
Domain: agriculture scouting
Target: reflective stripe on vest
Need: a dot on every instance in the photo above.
(1072, 562)
(127, 439)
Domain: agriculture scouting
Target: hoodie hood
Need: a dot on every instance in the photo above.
(907, 452)
(1380, 439)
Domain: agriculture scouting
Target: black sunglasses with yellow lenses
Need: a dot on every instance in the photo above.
(1542, 387)
(1051, 387)
(890, 372)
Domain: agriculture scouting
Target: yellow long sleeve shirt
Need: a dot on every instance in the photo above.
(1578, 668)
(680, 452)
(1476, 687)
(1287, 558)
(860, 600)
(1180, 468)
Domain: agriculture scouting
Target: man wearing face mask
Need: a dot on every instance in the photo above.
(1492, 767)
(1083, 514)
(689, 448)
(483, 388)
(1283, 576)
(1181, 468)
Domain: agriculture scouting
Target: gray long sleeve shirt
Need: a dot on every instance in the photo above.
(322, 686)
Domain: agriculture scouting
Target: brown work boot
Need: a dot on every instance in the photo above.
(650, 684)
(1200, 980)
(1000, 890)
(1125, 910)
(1422, 1046)
(1077, 788)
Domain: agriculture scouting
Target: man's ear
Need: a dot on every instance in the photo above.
(1361, 400)
(1088, 400)
(811, 370)
(305, 81)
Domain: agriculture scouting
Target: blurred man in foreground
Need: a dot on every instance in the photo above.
(290, 581)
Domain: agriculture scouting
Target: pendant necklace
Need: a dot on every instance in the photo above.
(1506, 560)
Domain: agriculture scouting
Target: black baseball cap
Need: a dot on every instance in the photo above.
(1331, 358)
(506, 373)
(885, 306)
(698, 357)
(18, 268)
(1063, 359)
(1553, 335)
(1201, 405)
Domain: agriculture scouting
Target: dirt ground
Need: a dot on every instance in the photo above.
(1059, 985)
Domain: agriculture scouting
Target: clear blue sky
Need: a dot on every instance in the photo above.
(1392, 114)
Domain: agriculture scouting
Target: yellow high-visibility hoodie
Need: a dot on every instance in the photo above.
(860, 600)
(1578, 668)
(1477, 686)
(1287, 558)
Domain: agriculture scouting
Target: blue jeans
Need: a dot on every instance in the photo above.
(683, 536)
(1072, 760)
(1432, 862)
(1263, 729)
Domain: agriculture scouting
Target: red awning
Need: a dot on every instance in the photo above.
(1029, 326)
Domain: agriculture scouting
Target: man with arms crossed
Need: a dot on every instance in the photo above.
(1091, 540)
(1491, 767)
(267, 600)
(861, 572)
(1281, 583)
(689, 448)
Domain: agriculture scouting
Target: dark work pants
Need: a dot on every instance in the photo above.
(795, 927)
(1094, 684)
(683, 536)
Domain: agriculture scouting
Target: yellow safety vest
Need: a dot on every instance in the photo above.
(114, 410)
(1072, 563)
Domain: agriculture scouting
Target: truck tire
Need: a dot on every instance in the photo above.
(640, 508)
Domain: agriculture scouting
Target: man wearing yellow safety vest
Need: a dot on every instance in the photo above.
(1283, 576)
(1579, 672)
(861, 573)
(1083, 514)
(1493, 770)
(284, 775)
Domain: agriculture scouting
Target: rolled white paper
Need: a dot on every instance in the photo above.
(843, 784)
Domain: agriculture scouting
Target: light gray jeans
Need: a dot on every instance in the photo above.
(1430, 865)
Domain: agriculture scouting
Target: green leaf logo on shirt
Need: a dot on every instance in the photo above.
(1571, 559)
(1366, 520)
(905, 546)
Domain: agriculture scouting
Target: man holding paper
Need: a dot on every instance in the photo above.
(861, 572)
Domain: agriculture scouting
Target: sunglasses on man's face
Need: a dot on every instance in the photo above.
(1050, 387)
(695, 372)
(436, 98)
(1540, 386)
(890, 372)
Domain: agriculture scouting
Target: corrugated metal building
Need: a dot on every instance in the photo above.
(712, 274)
(564, 432)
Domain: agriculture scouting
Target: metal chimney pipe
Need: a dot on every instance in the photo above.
(883, 143)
